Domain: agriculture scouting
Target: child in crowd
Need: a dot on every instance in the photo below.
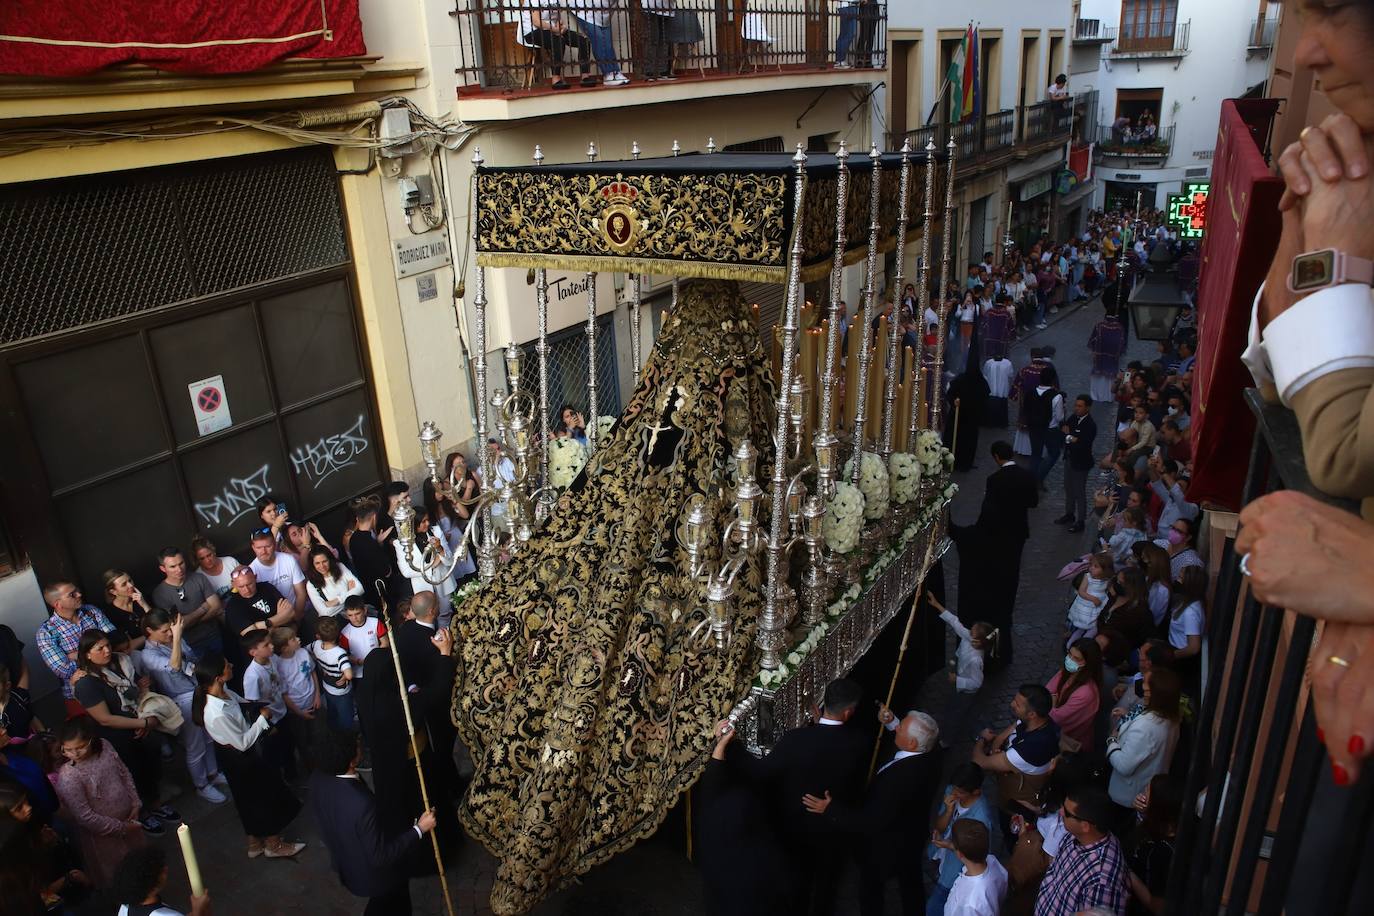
(1091, 597)
(967, 674)
(1132, 530)
(295, 669)
(261, 684)
(336, 673)
(963, 799)
(362, 634)
(97, 790)
(981, 886)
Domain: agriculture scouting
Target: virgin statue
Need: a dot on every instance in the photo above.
(588, 679)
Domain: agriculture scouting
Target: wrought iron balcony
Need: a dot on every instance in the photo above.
(1129, 143)
(1158, 41)
(1268, 816)
(504, 49)
(978, 141)
(1046, 121)
(1262, 34)
(1089, 32)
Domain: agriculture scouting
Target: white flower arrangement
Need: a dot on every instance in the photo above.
(603, 427)
(464, 593)
(566, 459)
(850, 500)
(932, 454)
(843, 518)
(905, 476)
(873, 483)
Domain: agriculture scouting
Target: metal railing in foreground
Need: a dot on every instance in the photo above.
(1262, 762)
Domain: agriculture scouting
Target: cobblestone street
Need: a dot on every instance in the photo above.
(654, 878)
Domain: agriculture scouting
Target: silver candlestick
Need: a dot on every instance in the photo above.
(894, 358)
(825, 443)
(870, 295)
(923, 287)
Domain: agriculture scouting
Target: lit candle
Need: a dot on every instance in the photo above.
(851, 369)
(188, 852)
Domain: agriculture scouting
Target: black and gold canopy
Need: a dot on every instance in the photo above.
(726, 216)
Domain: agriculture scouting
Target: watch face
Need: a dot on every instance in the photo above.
(1313, 271)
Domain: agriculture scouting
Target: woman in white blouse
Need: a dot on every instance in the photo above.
(413, 567)
(1143, 743)
(247, 758)
(330, 582)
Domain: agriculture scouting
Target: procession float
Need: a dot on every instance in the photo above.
(739, 536)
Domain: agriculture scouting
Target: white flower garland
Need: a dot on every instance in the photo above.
(905, 475)
(932, 454)
(843, 518)
(836, 609)
(872, 483)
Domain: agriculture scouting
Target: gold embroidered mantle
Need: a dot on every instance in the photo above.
(588, 682)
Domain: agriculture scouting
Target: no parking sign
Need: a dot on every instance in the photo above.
(211, 404)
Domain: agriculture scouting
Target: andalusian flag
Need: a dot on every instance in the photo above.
(965, 96)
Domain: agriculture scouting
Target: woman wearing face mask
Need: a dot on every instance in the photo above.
(1179, 540)
(1077, 691)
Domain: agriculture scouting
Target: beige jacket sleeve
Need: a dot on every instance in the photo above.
(1336, 414)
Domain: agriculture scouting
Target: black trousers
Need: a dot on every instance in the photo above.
(395, 902)
(873, 880)
(659, 53)
(554, 44)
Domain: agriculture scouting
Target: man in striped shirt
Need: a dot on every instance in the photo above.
(1090, 869)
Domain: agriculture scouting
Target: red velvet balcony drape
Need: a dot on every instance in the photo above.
(66, 38)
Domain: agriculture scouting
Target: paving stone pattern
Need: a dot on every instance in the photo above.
(654, 878)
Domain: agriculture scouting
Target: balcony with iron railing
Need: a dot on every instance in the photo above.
(1089, 32)
(1153, 41)
(991, 139)
(506, 51)
(1262, 34)
(1133, 143)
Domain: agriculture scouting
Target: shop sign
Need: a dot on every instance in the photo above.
(1034, 187)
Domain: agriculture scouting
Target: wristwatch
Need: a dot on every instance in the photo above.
(1316, 270)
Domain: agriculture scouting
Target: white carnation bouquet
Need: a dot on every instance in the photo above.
(603, 428)
(932, 454)
(873, 483)
(843, 518)
(566, 459)
(905, 473)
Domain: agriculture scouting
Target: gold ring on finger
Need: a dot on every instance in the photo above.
(1337, 660)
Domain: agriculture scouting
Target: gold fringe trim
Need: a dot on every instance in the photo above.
(683, 269)
(657, 266)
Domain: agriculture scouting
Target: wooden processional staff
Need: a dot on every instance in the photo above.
(415, 748)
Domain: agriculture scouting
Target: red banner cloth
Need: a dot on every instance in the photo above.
(64, 38)
(1081, 161)
(1243, 227)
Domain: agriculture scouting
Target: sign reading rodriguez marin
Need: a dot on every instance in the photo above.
(422, 253)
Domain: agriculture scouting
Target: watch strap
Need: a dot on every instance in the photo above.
(1352, 269)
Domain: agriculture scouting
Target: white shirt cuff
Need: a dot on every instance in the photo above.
(1328, 331)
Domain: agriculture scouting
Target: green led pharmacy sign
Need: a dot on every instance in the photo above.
(1188, 211)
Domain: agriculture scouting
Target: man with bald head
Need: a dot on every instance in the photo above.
(252, 605)
(892, 822)
(429, 668)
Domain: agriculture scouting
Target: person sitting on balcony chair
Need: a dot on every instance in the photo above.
(545, 30)
(593, 18)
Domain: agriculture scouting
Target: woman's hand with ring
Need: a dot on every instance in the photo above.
(1342, 672)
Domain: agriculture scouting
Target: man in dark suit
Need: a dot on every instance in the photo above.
(1079, 431)
(429, 669)
(372, 560)
(830, 756)
(891, 824)
(369, 863)
(990, 549)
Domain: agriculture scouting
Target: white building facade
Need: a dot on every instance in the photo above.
(1166, 63)
(1013, 152)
